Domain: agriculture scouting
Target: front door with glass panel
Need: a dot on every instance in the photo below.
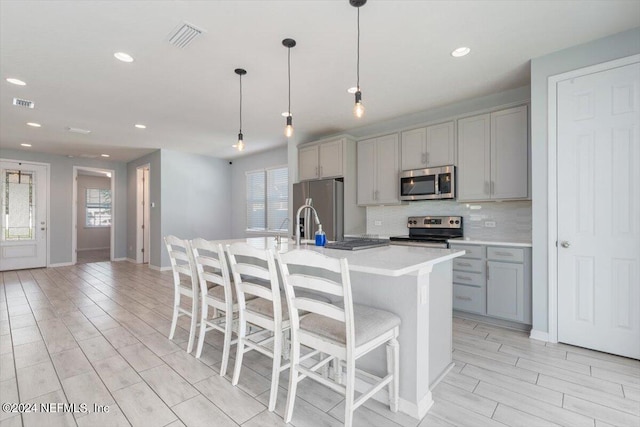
(23, 243)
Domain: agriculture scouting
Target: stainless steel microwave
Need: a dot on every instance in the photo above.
(428, 184)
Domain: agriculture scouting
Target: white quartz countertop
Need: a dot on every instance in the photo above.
(386, 260)
(468, 241)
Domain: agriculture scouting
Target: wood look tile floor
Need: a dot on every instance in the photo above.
(97, 333)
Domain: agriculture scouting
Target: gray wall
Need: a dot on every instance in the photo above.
(196, 197)
(91, 237)
(606, 49)
(61, 199)
(155, 235)
(191, 197)
(266, 159)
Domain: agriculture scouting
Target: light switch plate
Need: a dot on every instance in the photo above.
(490, 224)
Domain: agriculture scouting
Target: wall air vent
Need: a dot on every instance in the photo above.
(184, 34)
(23, 103)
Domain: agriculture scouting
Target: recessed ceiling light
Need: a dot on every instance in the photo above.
(352, 90)
(461, 51)
(105, 155)
(35, 125)
(124, 57)
(26, 145)
(140, 126)
(16, 81)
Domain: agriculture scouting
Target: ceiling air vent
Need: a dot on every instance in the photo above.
(78, 130)
(184, 34)
(23, 103)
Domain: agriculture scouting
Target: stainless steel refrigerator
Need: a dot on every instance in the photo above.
(327, 197)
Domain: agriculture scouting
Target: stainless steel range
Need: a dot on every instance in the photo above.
(430, 231)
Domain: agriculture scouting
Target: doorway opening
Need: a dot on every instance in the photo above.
(143, 217)
(93, 215)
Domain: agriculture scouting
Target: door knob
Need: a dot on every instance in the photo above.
(565, 244)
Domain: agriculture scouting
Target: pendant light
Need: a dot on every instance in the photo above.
(289, 43)
(358, 108)
(240, 144)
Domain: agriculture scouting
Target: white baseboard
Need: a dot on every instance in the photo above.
(120, 259)
(131, 260)
(60, 264)
(153, 267)
(539, 335)
(92, 249)
(417, 411)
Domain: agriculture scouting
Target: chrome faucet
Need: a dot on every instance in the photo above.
(307, 205)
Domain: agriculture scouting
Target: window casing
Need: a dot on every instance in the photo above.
(268, 199)
(97, 208)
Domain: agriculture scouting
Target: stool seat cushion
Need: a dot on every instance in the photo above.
(265, 307)
(369, 323)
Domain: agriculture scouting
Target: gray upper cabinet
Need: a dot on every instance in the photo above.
(428, 147)
(324, 160)
(493, 161)
(378, 170)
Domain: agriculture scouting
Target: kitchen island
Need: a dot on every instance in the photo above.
(415, 283)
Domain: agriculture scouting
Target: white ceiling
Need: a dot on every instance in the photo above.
(188, 97)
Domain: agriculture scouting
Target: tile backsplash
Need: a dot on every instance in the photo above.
(512, 219)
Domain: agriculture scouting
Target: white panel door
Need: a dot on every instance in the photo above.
(23, 243)
(599, 211)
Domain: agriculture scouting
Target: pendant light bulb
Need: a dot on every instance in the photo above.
(358, 108)
(240, 144)
(288, 129)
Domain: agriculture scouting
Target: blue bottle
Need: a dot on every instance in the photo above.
(321, 238)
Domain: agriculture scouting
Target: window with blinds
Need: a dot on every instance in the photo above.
(98, 208)
(268, 199)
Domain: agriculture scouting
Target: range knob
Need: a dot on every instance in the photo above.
(457, 221)
(450, 221)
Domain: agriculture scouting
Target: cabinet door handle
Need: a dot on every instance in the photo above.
(317, 175)
(464, 264)
(486, 187)
(376, 194)
(464, 277)
(504, 253)
(463, 298)
(492, 187)
(320, 170)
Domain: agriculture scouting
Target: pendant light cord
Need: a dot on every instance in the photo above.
(289, 76)
(240, 103)
(358, 55)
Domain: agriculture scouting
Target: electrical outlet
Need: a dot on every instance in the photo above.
(378, 223)
(490, 224)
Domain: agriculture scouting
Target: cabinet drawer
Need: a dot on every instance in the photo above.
(473, 279)
(505, 254)
(472, 251)
(464, 264)
(468, 298)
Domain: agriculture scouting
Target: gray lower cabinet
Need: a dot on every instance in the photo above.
(493, 281)
(469, 281)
